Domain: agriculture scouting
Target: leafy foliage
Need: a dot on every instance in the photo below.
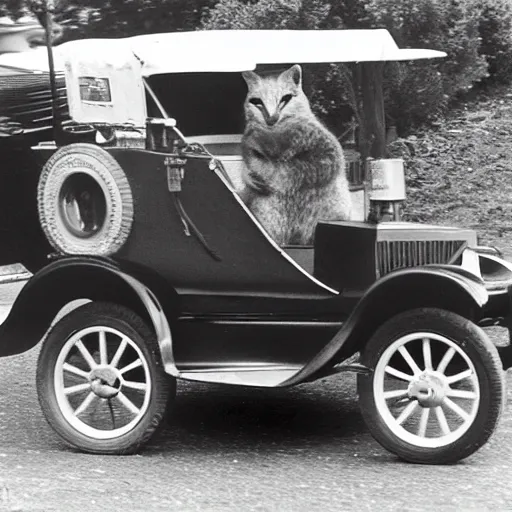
(495, 30)
(12, 8)
(420, 92)
(123, 18)
(267, 14)
(447, 25)
(117, 18)
(474, 33)
(415, 95)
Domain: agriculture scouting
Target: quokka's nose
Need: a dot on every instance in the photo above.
(272, 120)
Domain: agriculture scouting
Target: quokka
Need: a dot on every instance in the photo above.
(294, 166)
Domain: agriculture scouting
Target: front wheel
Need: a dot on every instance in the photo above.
(100, 380)
(437, 387)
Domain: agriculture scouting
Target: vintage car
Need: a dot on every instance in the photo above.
(140, 236)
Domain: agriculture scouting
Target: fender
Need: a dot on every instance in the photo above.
(496, 272)
(69, 279)
(443, 286)
(497, 275)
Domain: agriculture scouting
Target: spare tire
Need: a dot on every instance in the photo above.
(85, 201)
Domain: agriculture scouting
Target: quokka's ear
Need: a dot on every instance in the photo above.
(250, 77)
(293, 75)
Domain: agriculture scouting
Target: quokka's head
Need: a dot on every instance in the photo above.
(275, 98)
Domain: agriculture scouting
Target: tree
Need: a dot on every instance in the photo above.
(12, 8)
(361, 91)
(117, 18)
(414, 92)
(495, 30)
(123, 18)
(267, 14)
(476, 34)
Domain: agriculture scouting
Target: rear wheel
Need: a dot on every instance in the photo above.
(100, 380)
(437, 389)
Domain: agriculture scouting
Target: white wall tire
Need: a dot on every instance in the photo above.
(85, 201)
(100, 380)
(437, 388)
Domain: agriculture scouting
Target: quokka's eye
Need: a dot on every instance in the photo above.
(286, 98)
(256, 101)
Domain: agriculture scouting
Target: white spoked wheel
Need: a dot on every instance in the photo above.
(436, 391)
(100, 381)
(97, 398)
(425, 406)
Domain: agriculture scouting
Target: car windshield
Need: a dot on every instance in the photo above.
(202, 103)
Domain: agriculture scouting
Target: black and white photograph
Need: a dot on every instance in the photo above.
(255, 255)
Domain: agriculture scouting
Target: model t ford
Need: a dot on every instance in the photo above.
(144, 231)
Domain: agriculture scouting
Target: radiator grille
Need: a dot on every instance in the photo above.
(392, 255)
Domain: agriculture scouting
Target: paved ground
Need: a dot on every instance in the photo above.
(228, 449)
(231, 450)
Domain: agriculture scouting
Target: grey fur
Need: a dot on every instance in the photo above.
(295, 169)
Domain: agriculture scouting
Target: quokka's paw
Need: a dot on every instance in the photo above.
(258, 185)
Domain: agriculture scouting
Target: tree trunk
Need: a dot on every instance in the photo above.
(373, 132)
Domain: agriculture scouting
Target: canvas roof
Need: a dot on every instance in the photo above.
(231, 50)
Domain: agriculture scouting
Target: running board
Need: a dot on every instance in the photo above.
(261, 376)
(270, 376)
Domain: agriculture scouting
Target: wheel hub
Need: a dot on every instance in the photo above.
(428, 388)
(105, 381)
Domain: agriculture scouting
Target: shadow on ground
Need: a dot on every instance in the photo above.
(224, 417)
